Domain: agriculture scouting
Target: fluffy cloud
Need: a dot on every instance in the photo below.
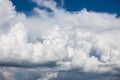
(6, 12)
(83, 40)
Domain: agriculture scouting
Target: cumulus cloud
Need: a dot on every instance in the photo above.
(6, 13)
(87, 41)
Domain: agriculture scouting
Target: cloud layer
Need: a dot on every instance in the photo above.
(53, 37)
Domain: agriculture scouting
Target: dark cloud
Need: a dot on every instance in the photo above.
(28, 64)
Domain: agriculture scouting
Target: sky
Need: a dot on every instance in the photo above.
(59, 40)
(111, 6)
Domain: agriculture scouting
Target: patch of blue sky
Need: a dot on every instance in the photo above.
(107, 6)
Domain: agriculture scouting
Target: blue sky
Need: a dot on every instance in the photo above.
(108, 6)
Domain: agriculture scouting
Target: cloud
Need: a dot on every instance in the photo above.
(87, 41)
(11, 73)
(6, 12)
(62, 3)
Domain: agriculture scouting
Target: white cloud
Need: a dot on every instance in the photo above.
(49, 76)
(6, 12)
(61, 36)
